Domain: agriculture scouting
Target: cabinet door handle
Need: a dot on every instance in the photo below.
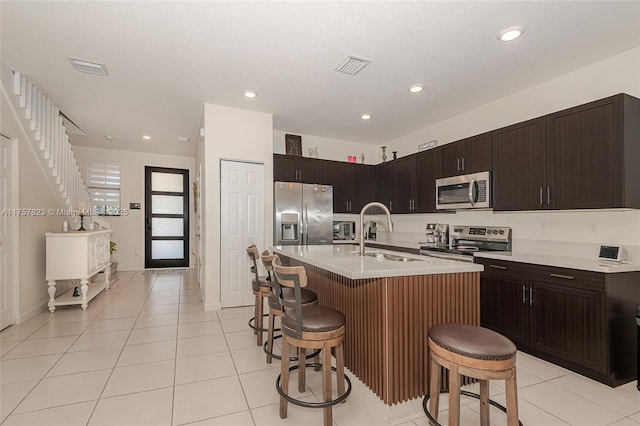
(349, 205)
(524, 294)
(390, 205)
(497, 267)
(548, 196)
(300, 174)
(531, 291)
(462, 163)
(346, 205)
(541, 202)
(566, 277)
(458, 164)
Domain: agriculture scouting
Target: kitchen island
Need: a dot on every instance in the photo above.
(390, 300)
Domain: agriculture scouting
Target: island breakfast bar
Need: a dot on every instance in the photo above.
(390, 301)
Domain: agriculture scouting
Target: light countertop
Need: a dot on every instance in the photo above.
(344, 260)
(562, 262)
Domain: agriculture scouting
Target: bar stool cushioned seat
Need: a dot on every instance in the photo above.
(314, 319)
(475, 352)
(472, 341)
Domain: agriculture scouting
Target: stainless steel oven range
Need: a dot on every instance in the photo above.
(467, 240)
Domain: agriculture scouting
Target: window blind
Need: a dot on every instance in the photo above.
(103, 185)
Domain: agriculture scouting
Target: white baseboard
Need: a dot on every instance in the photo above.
(212, 306)
(35, 311)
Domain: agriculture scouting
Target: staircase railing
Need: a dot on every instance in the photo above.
(50, 140)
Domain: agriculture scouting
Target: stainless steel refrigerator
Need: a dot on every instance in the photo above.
(303, 214)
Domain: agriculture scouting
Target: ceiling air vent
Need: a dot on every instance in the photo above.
(88, 67)
(352, 65)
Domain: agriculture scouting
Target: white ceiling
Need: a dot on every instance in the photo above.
(165, 59)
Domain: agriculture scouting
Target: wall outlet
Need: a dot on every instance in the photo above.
(543, 227)
(593, 229)
(137, 252)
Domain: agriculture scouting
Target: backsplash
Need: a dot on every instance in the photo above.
(563, 233)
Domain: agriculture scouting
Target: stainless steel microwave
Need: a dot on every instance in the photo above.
(471, 191)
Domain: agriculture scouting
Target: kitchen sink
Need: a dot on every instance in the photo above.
(392, 257)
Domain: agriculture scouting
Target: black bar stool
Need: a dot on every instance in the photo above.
(309, 327)
(261, 291)
(308, 298)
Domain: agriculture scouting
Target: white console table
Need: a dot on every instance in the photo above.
(77, 255)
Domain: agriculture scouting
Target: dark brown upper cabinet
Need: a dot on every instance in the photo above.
(405, 185)
(385, 182)
(352, 185)
(333, 174)
(519, 166)
(593, 155)
(426, 171)
(579, 158)
(359, 185)
(470, 155)
(290, 168)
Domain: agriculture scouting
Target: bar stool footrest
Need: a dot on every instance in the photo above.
(253, 320)
(434, 422)
(300, 403)
(291, 358)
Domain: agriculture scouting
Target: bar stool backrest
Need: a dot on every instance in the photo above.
(292, 277)
(252, 252)
(267, 262)
(272, 281)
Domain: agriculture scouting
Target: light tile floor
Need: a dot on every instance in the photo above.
(145, 353)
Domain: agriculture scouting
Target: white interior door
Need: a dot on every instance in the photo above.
(7, 315)
(242, 224)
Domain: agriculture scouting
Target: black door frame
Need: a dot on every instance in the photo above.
(165, 263)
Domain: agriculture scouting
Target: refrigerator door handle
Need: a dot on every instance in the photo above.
(305, 229)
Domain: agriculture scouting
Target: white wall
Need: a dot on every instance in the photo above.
(331, 149)
(231, 134)
(128, 231)
(618, 74)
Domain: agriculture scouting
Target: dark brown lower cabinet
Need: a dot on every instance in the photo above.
(581, 320)
(503, 293)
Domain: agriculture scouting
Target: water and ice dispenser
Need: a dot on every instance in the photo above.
(289, 223)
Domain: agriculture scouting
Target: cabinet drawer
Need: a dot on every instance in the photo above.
(569, 277)
(503, 269)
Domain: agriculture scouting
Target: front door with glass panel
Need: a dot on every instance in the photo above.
(166, 217)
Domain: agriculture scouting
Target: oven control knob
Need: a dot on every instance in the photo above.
(502, 232)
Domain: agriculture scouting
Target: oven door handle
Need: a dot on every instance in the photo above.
(473, 192)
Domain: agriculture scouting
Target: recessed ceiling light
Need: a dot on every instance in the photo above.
(146, 138)
(110, 138)
(365, 116)
(88, 67)
(250, 94)
(511, 33)
(416, 88)
(183, 139)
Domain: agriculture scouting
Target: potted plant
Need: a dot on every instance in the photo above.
(112, 249)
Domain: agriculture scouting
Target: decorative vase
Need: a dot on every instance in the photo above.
(384, 153)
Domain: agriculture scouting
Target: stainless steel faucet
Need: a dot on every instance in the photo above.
(372, 204)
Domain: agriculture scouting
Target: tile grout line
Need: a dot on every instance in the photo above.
(62, 354)
(121, 351)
